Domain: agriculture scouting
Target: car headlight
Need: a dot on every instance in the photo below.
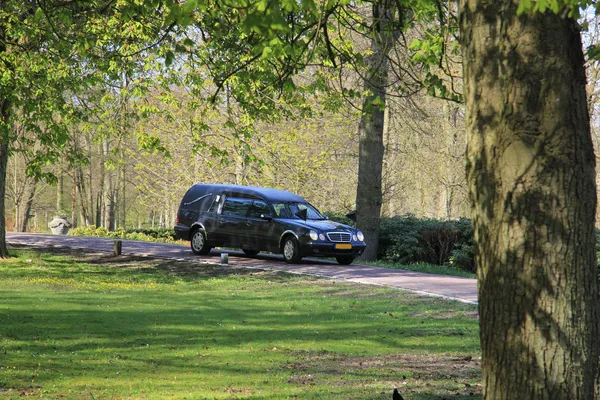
(360, 236)
(313, 235)
(354, 239)
(321, 236)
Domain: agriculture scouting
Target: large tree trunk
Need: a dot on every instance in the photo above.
(371, 149)
(4, 135)
(530, 168)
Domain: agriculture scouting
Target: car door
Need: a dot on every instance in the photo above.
(232, 220)
(260, 225)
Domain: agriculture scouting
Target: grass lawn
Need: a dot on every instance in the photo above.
(77, 326)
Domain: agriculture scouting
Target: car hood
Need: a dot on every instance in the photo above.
(320, 225)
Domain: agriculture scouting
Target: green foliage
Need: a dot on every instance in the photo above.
(146, 235)
(52, 53)
(555, 6)
(409, 240)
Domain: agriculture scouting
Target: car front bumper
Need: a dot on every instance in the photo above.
(327, 249)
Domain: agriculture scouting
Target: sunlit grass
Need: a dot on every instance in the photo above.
(131, 328)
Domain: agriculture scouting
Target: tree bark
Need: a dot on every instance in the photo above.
(530, 169)
(4, 135)
(81, 190)
(123, 202)
(74, 200)
(25, 209)
(59, 192)
(370, 129)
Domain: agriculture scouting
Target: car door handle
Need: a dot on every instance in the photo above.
(248, 223)
(222, 221)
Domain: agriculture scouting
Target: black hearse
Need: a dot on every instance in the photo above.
(260, 219)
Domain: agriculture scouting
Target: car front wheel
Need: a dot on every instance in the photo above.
(344, 260)
(198, 243)
(291, 250)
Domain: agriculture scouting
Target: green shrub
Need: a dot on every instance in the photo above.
(408, 240)
(463, 257)
(147, 235)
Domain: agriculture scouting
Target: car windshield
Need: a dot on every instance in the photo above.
(289, 210)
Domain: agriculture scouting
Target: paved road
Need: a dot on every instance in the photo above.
(460, 289)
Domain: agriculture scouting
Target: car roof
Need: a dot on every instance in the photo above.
(270, 194)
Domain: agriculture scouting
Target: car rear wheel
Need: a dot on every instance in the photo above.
(344, 260)
(291, 250)
(250, 252)
(198, 243)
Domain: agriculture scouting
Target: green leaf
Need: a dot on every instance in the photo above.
(524, 6)
(415, 45)
(262, 5)
(267, 51)
(169, 58)
(39, 14)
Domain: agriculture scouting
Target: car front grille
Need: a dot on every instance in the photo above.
(339, 237)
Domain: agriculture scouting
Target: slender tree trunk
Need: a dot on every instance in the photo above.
(25, 209)
(100, 197)
(59, 192)
(85, 216)
(17, 213)
(99, 209)
(74, 200)
(530, 169)
(370, 129)
(123, 206)
(90, 183)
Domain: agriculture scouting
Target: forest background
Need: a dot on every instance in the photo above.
(141, 140)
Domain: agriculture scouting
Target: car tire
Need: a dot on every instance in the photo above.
(250, 253)
(198, 243)
(291, 250)
(344, 260)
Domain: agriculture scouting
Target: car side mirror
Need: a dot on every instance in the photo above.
(266, 217)
(302, 214)
(351, 216)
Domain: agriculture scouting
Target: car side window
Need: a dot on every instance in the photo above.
(258, 208)
(282, 210)
(237, 206)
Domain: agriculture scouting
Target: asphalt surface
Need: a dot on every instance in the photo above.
(455, 288)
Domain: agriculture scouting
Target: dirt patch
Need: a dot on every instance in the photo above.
(471, 314)
(451, 375)
(358, 294)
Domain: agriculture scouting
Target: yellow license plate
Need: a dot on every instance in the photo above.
(343, 246)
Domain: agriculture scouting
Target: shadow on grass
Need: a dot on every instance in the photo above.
(245, 326)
